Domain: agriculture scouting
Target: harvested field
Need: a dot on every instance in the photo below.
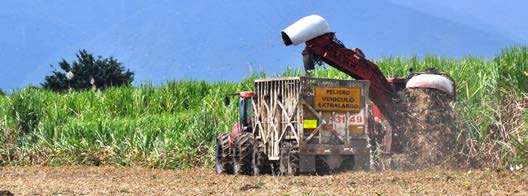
(80, 180)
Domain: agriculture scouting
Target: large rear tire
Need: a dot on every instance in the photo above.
(260, 162)
(348, 163)
(243, 153)
(289, 159)
(224, 160)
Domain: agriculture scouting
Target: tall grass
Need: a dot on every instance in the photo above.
(166, 126)
(174, 125)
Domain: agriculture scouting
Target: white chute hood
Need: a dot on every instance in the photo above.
(305, 29)
(432, 81)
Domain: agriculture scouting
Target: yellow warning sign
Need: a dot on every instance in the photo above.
(310, 124)
(337, 99)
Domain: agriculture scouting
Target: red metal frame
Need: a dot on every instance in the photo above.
(353, 63)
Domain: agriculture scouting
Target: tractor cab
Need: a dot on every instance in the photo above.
(244, 122)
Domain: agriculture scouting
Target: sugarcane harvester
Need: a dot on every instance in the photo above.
(323, 46)
(306, 124)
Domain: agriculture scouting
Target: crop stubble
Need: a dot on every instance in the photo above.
(80, 180)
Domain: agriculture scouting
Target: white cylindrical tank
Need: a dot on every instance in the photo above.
(305, 29)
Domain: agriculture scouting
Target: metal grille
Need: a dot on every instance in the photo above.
(276, 111)
(282, 106)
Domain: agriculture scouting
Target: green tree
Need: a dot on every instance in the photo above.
(88, 73)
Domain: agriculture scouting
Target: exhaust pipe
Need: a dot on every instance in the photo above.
(305, 29)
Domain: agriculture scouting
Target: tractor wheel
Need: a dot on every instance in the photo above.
(224, 164)
(243, 153)
(289, 159)
(348, 163)
(321, 167)
(260, 162)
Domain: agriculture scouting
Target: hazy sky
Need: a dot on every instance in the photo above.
(225, 40)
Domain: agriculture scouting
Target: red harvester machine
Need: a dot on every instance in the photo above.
(304, 124)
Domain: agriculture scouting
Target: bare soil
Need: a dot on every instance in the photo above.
(92, 180)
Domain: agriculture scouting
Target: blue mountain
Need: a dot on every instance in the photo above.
(218, 40)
